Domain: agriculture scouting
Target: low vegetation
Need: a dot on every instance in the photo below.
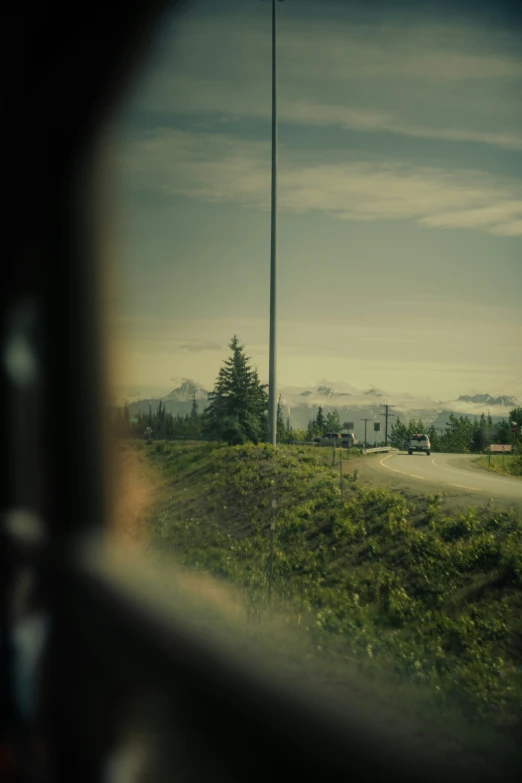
(397, 586)
(507, 465)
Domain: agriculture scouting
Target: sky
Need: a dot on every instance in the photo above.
(399, 198)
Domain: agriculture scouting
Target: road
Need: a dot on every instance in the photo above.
(452, 474)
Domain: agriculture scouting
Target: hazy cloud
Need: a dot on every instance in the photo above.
(220, 167)
(452, 82)
(200, 345)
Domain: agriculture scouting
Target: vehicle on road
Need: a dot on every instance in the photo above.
(348, 439)
(419, 443)
(332, 438)
(344, 439)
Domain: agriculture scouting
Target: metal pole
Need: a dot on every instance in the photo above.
(341, 469)
(272, 384)
(388, 415)
(365, 425)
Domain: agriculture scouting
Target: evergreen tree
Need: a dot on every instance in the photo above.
(237, 410)
(281, 430)
(320, 423)
(503, 433)
(158, 424)
(399, 435)
(194, 409)
(479, 440)
(433, 435)
(332, 422)
(516, 415)
(126, 421)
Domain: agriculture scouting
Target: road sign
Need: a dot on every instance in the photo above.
(348, 425)
(376, 426)
(514, 427)
(134, 421)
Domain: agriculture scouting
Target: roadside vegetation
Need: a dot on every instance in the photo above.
(507, 465)
(395, 586)
(397, 589)
(461, 435)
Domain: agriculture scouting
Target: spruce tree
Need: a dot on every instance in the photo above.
(320, 423)
(237, 410)
(434, 438)
(281, 431)
(399, 436)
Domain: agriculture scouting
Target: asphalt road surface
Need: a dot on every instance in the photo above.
(455, 475)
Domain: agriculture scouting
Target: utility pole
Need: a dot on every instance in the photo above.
(387, 415)
(272, 381)
(365, 425)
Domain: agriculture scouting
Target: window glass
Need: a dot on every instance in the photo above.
(399, 138)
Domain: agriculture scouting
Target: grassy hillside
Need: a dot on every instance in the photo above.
(509, 465)
(393, 586)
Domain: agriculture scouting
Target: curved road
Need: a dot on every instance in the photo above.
(453, 474)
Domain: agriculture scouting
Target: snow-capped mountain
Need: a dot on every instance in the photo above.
(487, 399)
(186, 392)
(177, 401)
(353, 405)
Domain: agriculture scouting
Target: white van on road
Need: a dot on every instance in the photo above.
(419, 443)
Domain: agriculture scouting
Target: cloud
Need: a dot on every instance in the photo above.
(453, 82)
(200, 345)
(220, 167)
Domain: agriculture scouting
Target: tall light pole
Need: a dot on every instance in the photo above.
(272, 380)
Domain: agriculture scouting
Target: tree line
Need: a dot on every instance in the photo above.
(236, 410)
(461, 435)
(237, 413)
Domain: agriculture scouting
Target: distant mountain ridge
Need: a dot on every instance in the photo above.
(487, 399)
(300, 405)
(186, 391)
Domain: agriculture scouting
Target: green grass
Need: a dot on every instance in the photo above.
(397, 588)
(508, 465)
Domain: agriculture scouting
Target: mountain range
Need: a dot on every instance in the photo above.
(300, 405)
(487, 399)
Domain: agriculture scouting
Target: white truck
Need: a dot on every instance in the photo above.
(419, 443)
(348, 439)
(344, 439)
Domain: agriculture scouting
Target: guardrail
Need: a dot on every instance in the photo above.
(379, 448)
(314, 443)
